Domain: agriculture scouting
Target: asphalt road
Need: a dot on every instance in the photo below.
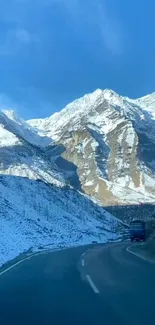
(106, 285)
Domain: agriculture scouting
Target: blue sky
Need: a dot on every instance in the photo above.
(53, 51)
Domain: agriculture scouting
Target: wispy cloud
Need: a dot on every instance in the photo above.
(96, 16)
(93, 15)
(110, 29)
(22, 35)
(14, 39)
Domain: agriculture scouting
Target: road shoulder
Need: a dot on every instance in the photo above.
(139, 251)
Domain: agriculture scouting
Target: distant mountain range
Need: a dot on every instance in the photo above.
(109, 141)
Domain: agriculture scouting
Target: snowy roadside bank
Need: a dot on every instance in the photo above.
(35, 214)
(28, 254)
(44, 249)
(13, 250)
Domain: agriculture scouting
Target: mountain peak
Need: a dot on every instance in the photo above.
(88, 100)
(98, 91)
(77, 111)
(110, 92)
(10, 113)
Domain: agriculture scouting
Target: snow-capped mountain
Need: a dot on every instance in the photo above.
(38, 204)
(111, 140)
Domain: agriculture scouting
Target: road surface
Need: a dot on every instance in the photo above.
(100, 284)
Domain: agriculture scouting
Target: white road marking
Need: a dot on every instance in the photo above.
(138, 255)
(24, 259)
(46, 251)
(82, 262)
(83, 254)
(92, 284)
(134, 253)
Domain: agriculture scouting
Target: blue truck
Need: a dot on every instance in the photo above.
(137, 230)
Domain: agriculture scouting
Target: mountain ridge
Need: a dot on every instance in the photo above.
(106, 142)
(121, 130)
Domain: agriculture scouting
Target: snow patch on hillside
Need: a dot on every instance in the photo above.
(35, 214)
(7, 138)
(22, 129)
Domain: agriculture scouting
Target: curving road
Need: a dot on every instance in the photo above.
(102, 284)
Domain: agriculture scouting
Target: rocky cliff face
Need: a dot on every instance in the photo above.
(111, 141)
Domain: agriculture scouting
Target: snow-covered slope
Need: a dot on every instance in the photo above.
(147, 103)
(25, 153)
(18, 126)
(111, 140)
(34, 214)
